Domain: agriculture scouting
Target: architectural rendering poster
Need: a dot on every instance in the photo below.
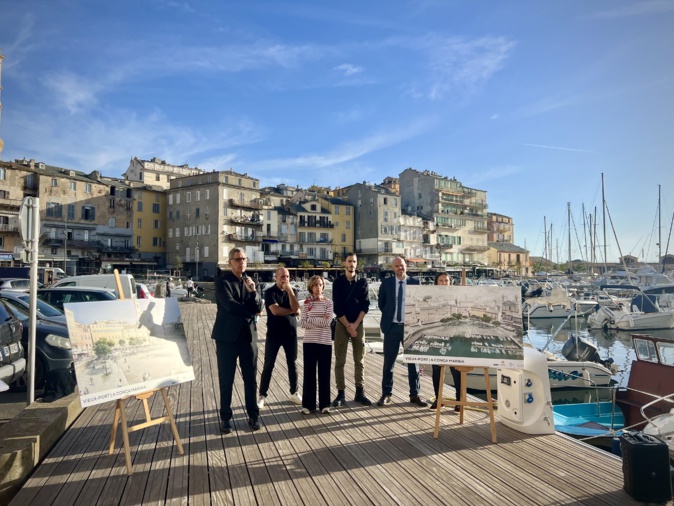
(126, 347)
(476, 326)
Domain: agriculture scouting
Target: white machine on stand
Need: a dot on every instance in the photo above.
(524, 400)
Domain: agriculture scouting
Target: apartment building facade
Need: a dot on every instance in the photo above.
(209, 214)
(459, 213)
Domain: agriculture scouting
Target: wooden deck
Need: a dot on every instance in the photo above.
(356, 455)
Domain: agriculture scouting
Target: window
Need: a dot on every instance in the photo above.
(113, 190)
(205, 251)
(177, 231)
(336, 210)
(170, 200)
(54, 210)
(157, 177)
(348, 211)
(170, 233)
(73, 185)
(385, 201)
(313, 207)
(138, 241)
(171, 215)
(86, 235)
(88, 213)
(71, 211)
(385, 215)
(52, 233)
(54, 182)
(206, 194)
(196, 212)
(112, 222)
(343, 237)
(188, 197)
(3, 174)
(155, 208)
(139, 223)
(87, 188)
(140, 206)
(112, 203)
(178, 215)
(128, 224)
(156, 224)
(198, 195)
(177, 198)
(348, 225)
(155, 241)
(4, 194)
(139, 194)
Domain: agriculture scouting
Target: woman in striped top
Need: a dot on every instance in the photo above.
(317, 313)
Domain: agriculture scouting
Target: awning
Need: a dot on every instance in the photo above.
(416, 260)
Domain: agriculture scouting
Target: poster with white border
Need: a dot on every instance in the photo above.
(126, 347)
(476, 326)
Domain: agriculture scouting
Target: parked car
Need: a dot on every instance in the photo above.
(70, 294)
(102, 281)
(45, 311)
(52, 345)
(143, 292)
(16, 284)
(12, 361)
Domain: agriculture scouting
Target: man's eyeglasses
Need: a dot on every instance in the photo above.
(240, 259)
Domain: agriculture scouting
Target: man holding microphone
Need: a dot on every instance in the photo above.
(235, 335)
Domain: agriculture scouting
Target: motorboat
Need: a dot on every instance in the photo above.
(662, 426)
(582, 368)
(643, 313)
(650, 387)
(556, 305)
(596, 420)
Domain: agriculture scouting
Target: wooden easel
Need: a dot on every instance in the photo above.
(463, 402)
(120, 412)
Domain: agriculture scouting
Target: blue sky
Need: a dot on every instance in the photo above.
(528, 100)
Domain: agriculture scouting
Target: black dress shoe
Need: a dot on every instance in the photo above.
(226, 427)
(254, 424)
(418, 401)
(384, 399)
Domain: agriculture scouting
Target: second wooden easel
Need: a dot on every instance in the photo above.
(463, 402)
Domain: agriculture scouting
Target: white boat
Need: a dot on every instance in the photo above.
(562, 374)
(641, 314)
(556, 305)
(661, 426)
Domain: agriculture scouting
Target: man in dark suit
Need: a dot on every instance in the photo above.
(235, 335)
(391, 302)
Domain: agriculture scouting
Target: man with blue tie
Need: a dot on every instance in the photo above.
(391, 301)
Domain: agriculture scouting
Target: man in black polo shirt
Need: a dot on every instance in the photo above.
(282, 308)
(351, 304)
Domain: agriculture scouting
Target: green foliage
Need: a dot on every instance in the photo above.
(103, 348)
(305, 264)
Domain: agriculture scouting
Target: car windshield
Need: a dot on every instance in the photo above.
(44, 308)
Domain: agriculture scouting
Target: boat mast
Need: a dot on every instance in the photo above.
(569, 219)
(660, 229)
(603, 203)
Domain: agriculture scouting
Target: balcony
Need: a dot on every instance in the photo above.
(6, 227)
(244, 238)
(247, 220)
(481, 230)
(11, 204)
(320, 224)
(442, 246)
(246, 204)
(475, 247)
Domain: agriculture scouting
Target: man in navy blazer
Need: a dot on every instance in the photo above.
(235, 335)
(391, 302)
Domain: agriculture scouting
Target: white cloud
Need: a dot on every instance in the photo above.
(560, 148)
(347, 69)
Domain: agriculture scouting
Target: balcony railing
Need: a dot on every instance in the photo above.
(10, 203)
(249, 204)
(244, 237)
(248, 220)
(475, 247)
(318, 224)
(6, 227)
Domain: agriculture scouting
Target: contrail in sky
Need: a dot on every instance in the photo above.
(563, 149)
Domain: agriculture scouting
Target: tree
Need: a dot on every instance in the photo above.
(177, 263)
(103, 348)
